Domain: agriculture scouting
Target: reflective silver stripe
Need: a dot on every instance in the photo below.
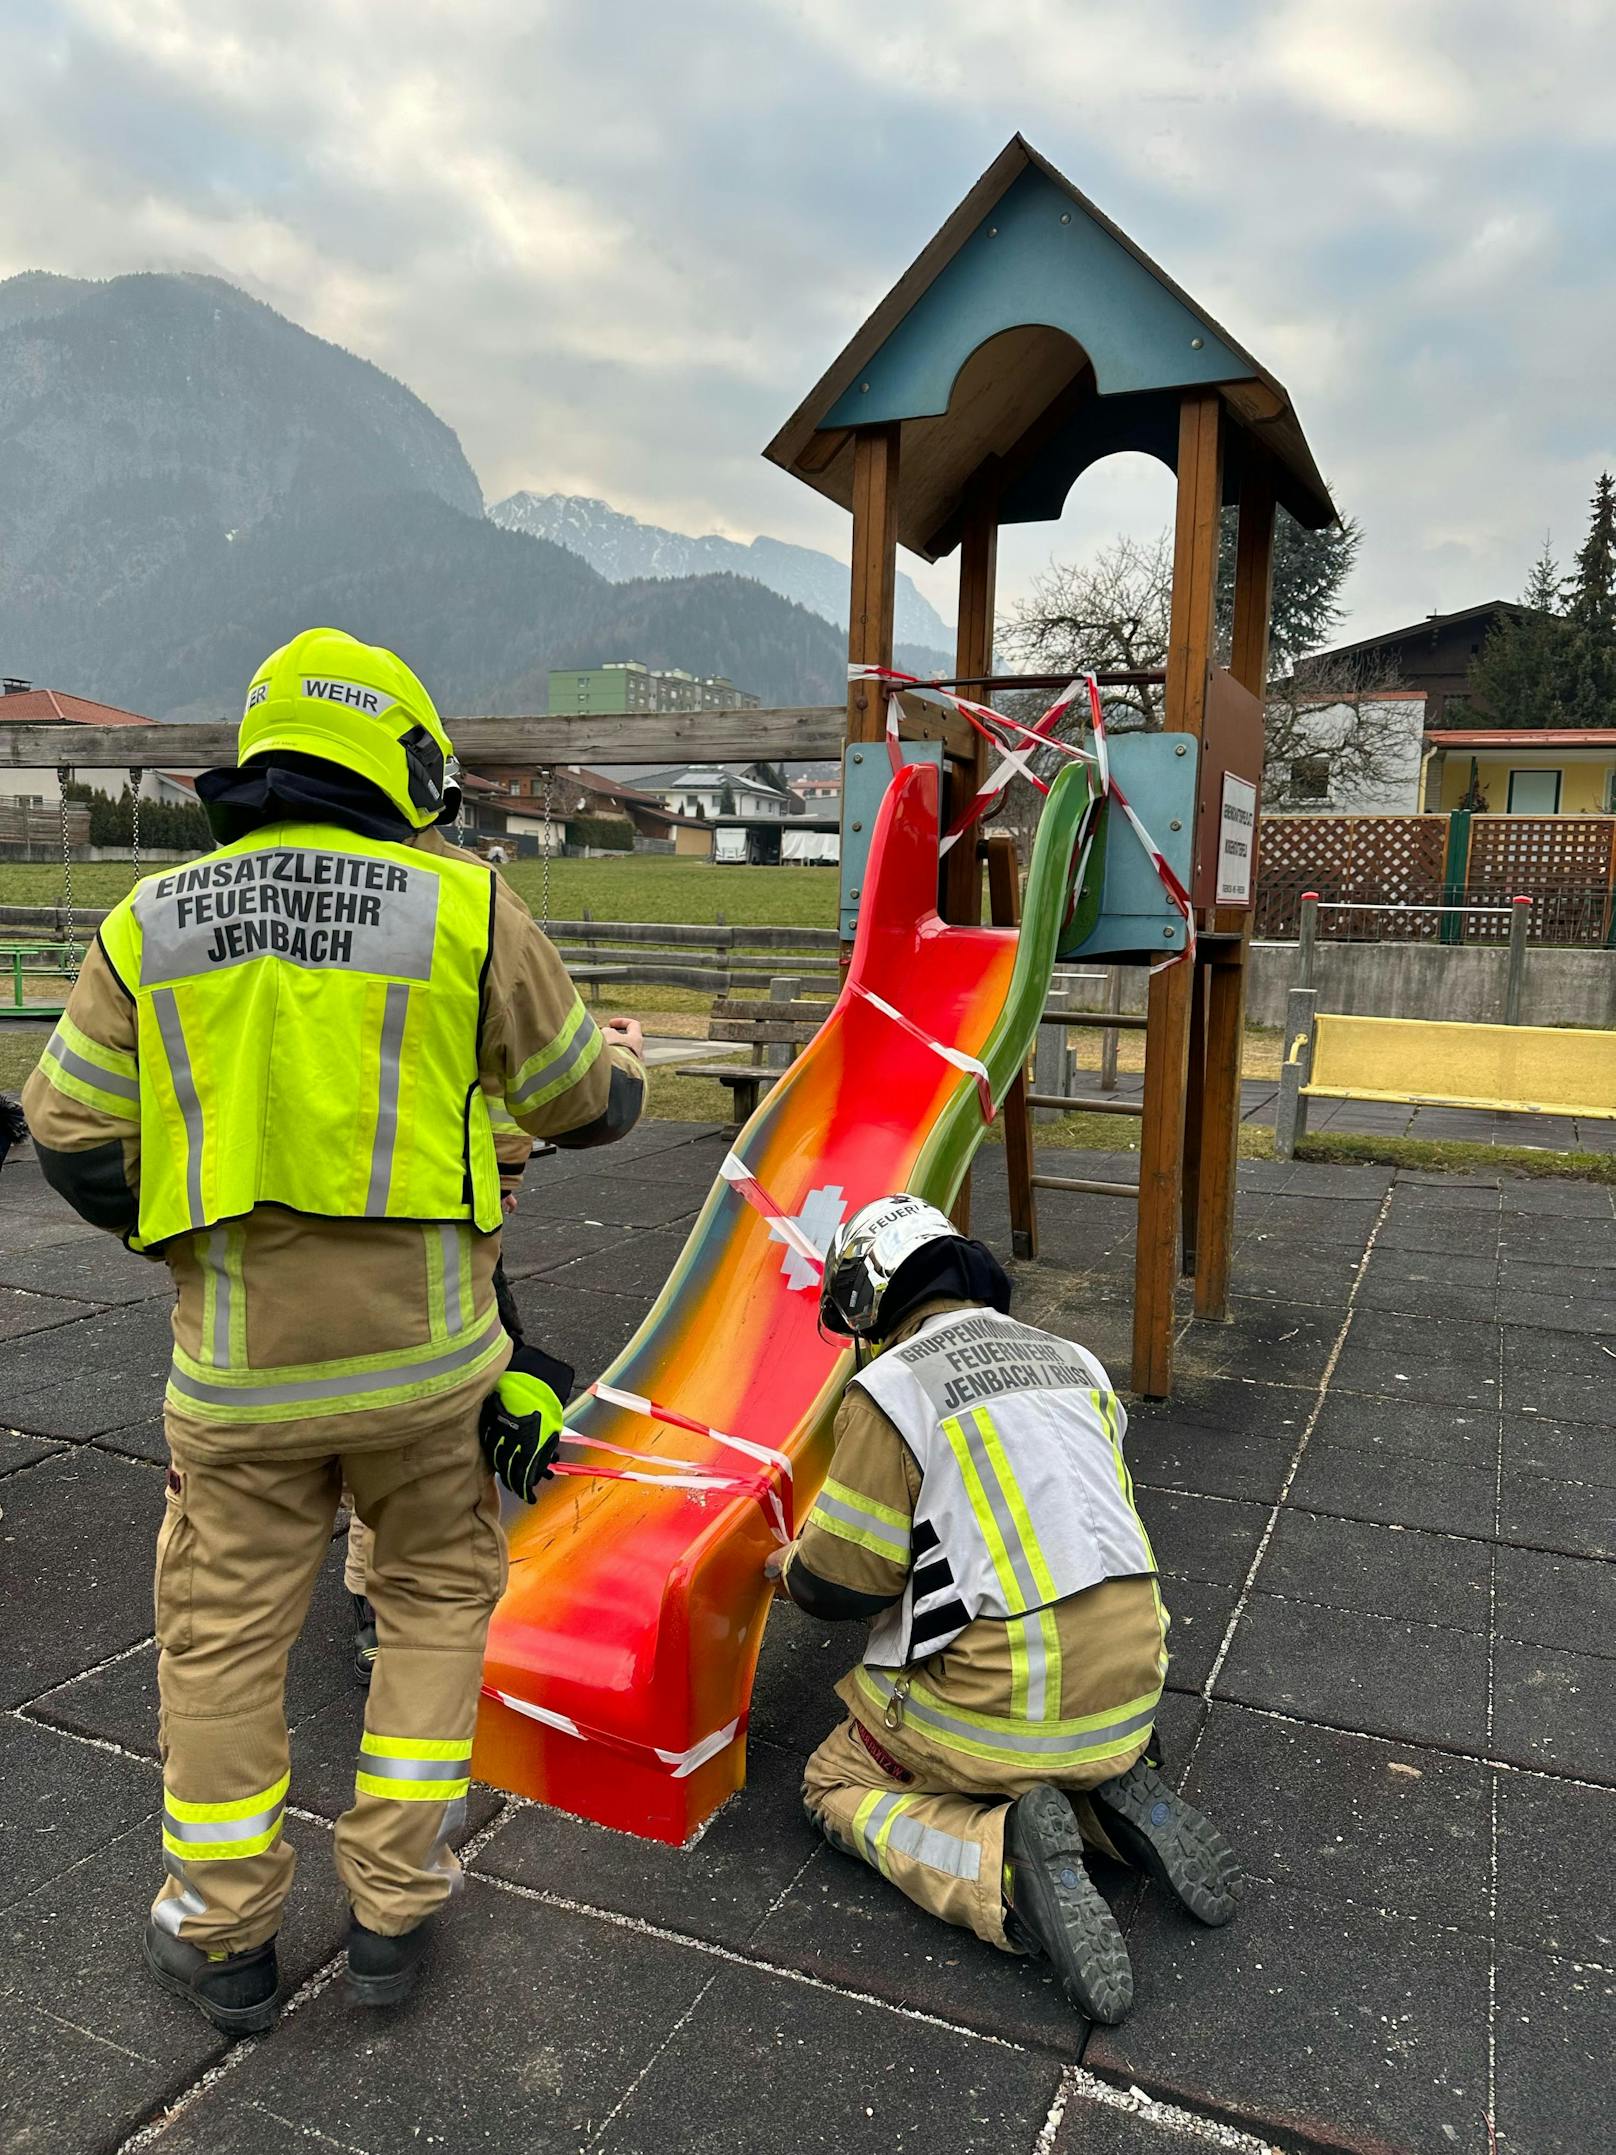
(340, 1387)
(167, 1013)
(224, 1829)
(387, 1081)
(939, 1851)
(414, 1769)
(870, 1831)
(215, 1253)
(867, 1522)
(1023, 1741)
(89, 1073)
(970, 1428)
(1032, 1629)
(169, 1914)
(550, 1073)
(450, 1239)
(440, 1857)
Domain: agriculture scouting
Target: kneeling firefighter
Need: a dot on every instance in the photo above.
(979, 1510)
(278, 1072)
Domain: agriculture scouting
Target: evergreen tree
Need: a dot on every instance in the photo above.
(1590, 698)
(1310, 568)
(1521, 675)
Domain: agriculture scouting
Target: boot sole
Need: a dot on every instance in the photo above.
(228, 2019)
(1061, 1909)
(1167, 1838)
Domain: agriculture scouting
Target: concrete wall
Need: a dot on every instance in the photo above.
(1411, 980)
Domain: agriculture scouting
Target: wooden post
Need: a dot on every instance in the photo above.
(875, 572)
(961, 890)
(1004, 903)
(1189, 663)
(1226, 982)
(1194, 1108)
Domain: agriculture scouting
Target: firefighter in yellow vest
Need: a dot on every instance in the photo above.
(278, 1072)
(979, 1511)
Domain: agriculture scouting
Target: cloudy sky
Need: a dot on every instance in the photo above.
(613, 241)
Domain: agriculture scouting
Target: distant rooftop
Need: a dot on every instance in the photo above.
(27, 705)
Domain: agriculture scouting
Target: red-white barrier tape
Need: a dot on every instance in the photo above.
(773, 1462)
(957, 1056)
(680, 1764)
(742, 1180)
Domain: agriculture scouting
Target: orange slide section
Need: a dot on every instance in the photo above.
(620, 1660)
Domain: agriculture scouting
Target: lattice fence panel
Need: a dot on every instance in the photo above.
(1564, 864)
(1352, 860)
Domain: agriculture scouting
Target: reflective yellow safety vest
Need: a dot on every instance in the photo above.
(1024, 1495)
(309, 1004)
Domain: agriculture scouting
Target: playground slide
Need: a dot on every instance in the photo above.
(620, 1659)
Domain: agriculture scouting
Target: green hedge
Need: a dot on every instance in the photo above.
(609, 834)
(178, 824)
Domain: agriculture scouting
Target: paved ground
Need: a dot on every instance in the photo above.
(1385, 1502)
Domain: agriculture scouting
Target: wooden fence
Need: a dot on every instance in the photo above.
(1409, 866)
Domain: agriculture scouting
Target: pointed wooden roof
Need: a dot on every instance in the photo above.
(1031, 337)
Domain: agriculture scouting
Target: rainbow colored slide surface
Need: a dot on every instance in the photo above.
(620, 1660)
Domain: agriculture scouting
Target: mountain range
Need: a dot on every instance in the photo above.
(186, 478)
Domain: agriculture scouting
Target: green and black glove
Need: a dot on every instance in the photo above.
(521, 1420)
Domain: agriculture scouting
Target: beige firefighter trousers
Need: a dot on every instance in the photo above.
(237, 1558)
(941, 1848)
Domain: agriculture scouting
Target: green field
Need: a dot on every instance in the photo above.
(639, 887)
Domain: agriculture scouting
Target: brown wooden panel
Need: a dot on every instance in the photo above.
(875, 568)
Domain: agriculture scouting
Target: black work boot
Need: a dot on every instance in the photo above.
(1056, 1909)
(364, 1643)
(1155, 1830)
(238, 1992)
(383, 1971)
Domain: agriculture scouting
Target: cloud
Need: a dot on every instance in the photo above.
(613, 242)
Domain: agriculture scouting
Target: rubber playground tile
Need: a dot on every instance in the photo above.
(62, 2087)
(586, 1329)
(551, 1245)
(1427, 1232)
(1382, 1483)
(118, 1703)
(73, 1953)
(528, 2026)
(1349, 2028)
(1238, 1404)
(62, 1800)
(1556, 1894)
(794, 1703)
(1560, 1313)
(18, 1451)
(1562, 1601)
(637, 1266)
(1552, 1710)
(1349, 1818)
(1396, 1427)
(1555, 2092)
(96, 1270)
(76, 1545)
(1564, 1200)
(1316, 1178)
(719, 1890)
(1563, 1451)
(1415, 1682)
(1118, 2124)
(1560, 1374)
(1414, 1298)
(1571, 1242)
(1381, 1570)
(1208, 1539)
(612, 1201)
(219, 2125)
(1520, 1276)
(141, 1440)
(846, 1925)
(1209, 1462)
(1578, 1518)
(704, 2095)
(1200, 1615)
(1420, 1358)
(1443, 1193)
(1461, 1265)
(1321, 1277)
(22, 1313)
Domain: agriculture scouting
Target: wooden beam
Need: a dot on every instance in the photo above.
(1189, 663)
(973, 654)
(806, 732)
(1226, 984)
(875, 574)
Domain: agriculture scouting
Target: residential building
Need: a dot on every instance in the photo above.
(1319, 778)
(701, 789)
(1433, 656)
(820, 794)
(624, 685)
(23, 704)
(518, 805)
(1521, 771)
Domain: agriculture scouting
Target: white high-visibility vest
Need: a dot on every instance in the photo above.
(1024, 1495)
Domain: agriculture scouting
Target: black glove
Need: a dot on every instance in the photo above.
(13, 1129)
(521, 1420)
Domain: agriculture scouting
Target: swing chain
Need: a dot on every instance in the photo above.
(136, 776)
(64, 778)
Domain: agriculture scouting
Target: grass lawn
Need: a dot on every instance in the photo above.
(640, 887)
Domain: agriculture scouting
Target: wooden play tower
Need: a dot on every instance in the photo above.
(1029, 339)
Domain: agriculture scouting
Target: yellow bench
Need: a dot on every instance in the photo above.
(1421, 1062)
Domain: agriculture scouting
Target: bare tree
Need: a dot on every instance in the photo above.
(1106, 615)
